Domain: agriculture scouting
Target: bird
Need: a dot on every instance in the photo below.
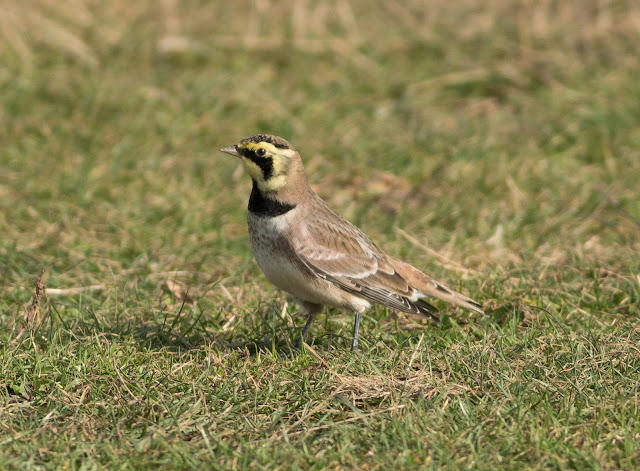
(308, 250)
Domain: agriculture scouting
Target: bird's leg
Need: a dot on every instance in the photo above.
(311, 310)
(305, 329)
(356, 329)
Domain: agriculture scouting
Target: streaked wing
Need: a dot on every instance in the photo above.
(342, 254)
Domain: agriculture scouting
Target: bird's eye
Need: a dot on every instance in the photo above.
(261, 152)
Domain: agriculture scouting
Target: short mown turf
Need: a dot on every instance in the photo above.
(496, 145)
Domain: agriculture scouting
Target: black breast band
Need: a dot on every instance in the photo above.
(264, 206)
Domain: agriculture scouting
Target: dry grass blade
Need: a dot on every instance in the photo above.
(22, 24)
(74, 291)
(178, 290)
(450, 264)
(362, 417)
(363, 389)
(33, 317)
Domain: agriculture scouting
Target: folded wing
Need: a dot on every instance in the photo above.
(342, 254)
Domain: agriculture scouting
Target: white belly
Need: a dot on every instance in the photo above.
(273, 247)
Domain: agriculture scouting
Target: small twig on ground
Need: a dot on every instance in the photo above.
(33, 317)
(450, 265)
(76, 290)
(33, 311)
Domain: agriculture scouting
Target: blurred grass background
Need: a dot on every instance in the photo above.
(495, 144)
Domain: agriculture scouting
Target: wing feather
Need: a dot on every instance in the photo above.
(345, 256)
(339, 252)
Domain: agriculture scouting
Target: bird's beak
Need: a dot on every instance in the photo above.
(233, 150)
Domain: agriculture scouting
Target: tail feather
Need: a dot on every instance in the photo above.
(427, 310)
(429, 287)
(439, 291)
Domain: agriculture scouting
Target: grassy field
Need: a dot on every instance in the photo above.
(496, 145)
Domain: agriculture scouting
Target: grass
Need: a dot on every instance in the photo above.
(495, 145)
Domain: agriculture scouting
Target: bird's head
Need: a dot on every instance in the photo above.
(271, 162)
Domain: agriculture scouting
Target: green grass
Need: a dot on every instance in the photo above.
(503, 137)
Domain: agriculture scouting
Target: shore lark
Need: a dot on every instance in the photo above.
(305, 248)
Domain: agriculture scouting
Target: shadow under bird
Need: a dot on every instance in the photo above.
(307, 249)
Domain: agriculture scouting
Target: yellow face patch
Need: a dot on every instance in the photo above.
(273, 184)
(252, 169)
(266, 164)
